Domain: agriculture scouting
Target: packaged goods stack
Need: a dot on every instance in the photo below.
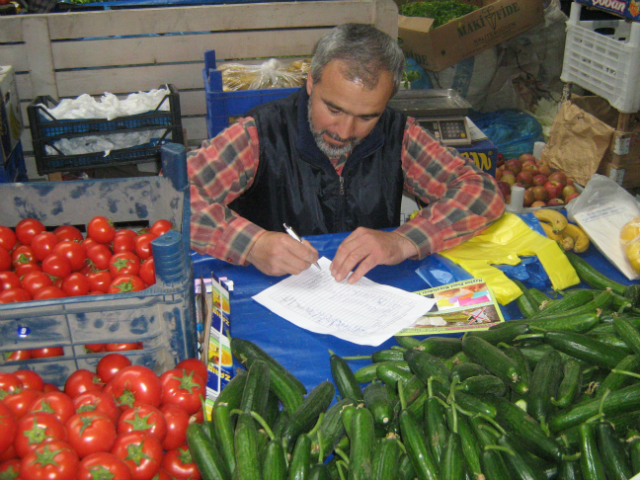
(12, 166)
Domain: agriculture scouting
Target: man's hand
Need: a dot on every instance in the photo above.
(278, 254)
(367, 248)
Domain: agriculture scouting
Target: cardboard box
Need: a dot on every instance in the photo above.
(495, 22)
(10, 114)
(626, 177)
(624, 8)
(625, 146)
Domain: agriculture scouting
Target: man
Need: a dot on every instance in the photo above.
(332, 158)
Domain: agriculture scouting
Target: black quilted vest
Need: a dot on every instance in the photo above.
(296, 183)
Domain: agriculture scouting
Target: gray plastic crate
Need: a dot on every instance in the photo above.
(162, 317)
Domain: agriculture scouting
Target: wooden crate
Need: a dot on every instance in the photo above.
(129, 50)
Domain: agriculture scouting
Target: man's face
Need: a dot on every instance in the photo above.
(343, 112)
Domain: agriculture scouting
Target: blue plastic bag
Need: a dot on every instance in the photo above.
(512, 131)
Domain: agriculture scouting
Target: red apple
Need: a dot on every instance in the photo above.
(554, 188)
(505, 188)
(514, 165)
(499, 171)
(571, 197)
(528, 197)
(544, 169)
(540, 193)
(532, 168)
(538, 203)
(527, 157)
(540, 179)
(510, 179)
(570, 182)
(559, 177)
(568, 190)
(554, 202)
(525, 178)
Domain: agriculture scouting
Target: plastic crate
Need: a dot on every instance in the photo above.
(162, 317)
(603, 56)
(45, 131)
(223, 105)
(14, 169)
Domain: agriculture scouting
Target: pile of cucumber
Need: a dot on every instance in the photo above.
(553, 395)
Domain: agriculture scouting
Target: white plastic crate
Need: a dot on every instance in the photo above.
(603, 56)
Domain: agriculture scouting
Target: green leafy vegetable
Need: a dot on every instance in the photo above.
(440, 11)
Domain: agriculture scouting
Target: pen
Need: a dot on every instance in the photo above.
(292, 233)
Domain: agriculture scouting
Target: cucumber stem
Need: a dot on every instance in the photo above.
(317, 425)
(403, 402)
(500, 448)
(625, 372)
(257, 417)
(357, 357)
(342, 455)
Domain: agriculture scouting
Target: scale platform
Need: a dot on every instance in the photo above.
(441, 111)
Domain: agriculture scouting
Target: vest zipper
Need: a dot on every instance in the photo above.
(341, 186)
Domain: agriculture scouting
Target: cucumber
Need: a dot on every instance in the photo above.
(274, 464)
(617, 465)
(544, 386)
(405, 469)
(223, 433)
(628, 333)
(483, 385)
(424, 365)
(369, 373)
(600, 302)
(493, 466)
(205, 454)
(570, 300)
(585, 348)
(570, 384)
(388, 355)
(576, 323)
(462, 371)
(590, 460)
(442, 347)
(256, 389)
(407, 341)
(362, 442)
(476, 405)
(285, 385)
(501, 332)
(470, 446)
(519, 468)
(390, 374)
(245, 441)
(616, 381)
(386, 458)
(231, 394)
(452, 463)
(592, 277)
(343, 377)
(540, 297)
(319, 472)
(436, 427)
(301, 458)
(424, 464)
(331, 429)
(527, 304)
(379, 403)
(305, 416)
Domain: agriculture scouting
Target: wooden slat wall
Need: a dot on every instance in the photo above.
(131, 50)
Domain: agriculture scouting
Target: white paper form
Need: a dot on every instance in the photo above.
(365, 313)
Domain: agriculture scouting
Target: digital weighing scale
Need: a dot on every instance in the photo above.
(442, 112)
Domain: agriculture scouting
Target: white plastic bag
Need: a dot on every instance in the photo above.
(601, 210)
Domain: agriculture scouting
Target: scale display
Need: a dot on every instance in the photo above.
(450, 131)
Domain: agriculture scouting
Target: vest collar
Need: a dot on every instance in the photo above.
(308, 148)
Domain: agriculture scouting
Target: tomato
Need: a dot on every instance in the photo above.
(21, 401)
(5, 259)
(126, 231)
(35, 428)
(27, 229)
(99, 256)
(95, 347)
(160, 227)
(9, 427)
(143, 417)
(179, 463)
(141, 451)
(9, 280)
(148, 271)
(51, 460)
(34, 281)
(68, 232)
(143, 245)
(9, 454)
(7, 238)
(56, 265)
(58, 403)
(111, 364)
(10, 469)
(162, 475)
(9, 383)
(124, 263)
(103, 465)
(50, 387)
(47, 293)
(89, 242)
(74, 252)
(42, 244)
(123, 242)
(90, 432)
(19, 355)
(30, 379)
(98, 401)
(80, 381)
(22, 254)
(126, 283)
(101, 229)
(177, 422)
(14, 295)
(194, 365)
(100, 280)
(24, 268)
(183, 388)
(122, 347)
(135, 385)
(47, 352)
(76, 285)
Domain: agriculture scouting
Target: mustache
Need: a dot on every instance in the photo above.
(337, 137)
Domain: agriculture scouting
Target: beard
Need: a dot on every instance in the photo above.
(330, 150)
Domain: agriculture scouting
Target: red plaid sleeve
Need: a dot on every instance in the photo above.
(220, 171)
(461, 199)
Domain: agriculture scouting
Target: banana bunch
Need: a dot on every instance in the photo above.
(556, 227)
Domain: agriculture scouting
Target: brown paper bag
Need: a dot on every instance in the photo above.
(580, 137)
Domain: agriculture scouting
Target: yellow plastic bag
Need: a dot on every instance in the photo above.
(503, 243)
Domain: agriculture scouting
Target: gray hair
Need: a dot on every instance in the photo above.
(364, 49)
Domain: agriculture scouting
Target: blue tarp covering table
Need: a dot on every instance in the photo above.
(305, 353)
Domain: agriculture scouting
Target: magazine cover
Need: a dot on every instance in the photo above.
(216, 347)
(460, 306)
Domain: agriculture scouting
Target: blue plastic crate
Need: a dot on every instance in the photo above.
(223, 105)
(14, 169)
(46, 130)
(162, 317)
